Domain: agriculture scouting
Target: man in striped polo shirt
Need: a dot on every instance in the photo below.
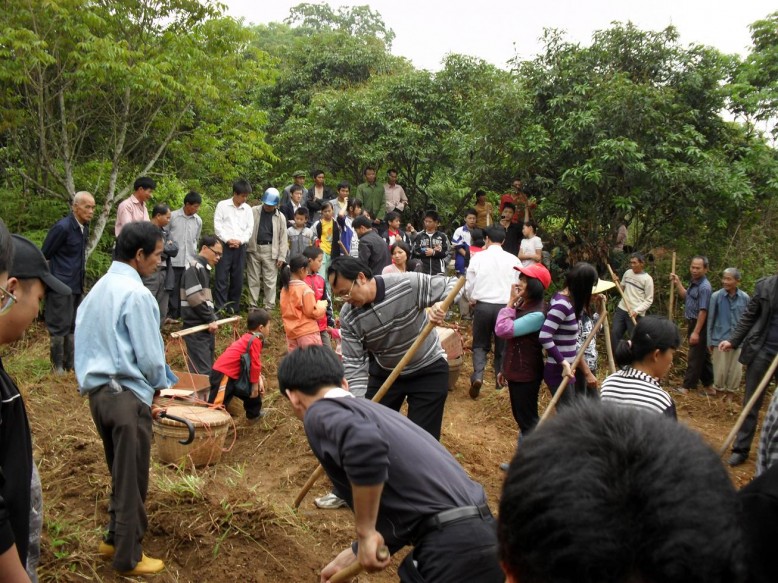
(382, 317)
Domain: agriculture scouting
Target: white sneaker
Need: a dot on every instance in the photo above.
(330, 501)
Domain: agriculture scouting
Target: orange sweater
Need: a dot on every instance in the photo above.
(298, 310)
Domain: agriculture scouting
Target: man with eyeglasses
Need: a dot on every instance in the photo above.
(24, 277)
(65, 248)
(197, 305)
(382, 317)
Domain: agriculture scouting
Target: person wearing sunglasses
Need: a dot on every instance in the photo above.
(24, 278)
(197, 305)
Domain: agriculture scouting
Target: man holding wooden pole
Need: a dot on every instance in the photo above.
(381, 318)
(638, 287)
(756, 334)
(403, 486)
(697, 302)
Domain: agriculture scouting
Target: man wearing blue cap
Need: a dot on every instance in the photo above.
(267, 250)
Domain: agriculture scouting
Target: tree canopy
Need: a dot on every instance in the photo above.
(674, 140)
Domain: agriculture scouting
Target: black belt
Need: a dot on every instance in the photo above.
(446, 517)
(268, 243)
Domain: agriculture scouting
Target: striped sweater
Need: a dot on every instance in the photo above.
(633, 388)
(559, 333)
(386, 328)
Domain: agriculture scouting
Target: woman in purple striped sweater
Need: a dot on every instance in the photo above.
(560, 330)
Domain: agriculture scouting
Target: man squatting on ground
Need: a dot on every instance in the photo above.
(425, 499)
(382, 317)
(120, 364)
(65, 248)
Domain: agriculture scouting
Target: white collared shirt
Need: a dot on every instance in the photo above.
(491, 274)
(231, 222)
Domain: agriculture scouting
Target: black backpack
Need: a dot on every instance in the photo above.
(242, 385)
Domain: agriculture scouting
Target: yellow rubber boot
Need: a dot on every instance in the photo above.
(146, 566)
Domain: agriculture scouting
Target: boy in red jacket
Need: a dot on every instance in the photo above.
(226, 369)
(317, 284)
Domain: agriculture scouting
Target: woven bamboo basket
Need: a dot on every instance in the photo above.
(211, 426)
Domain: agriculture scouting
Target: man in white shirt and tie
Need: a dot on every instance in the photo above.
(233, 222)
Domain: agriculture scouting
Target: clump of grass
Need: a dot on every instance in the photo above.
(183, 485)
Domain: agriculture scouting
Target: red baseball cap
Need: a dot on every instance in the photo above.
(537, 271)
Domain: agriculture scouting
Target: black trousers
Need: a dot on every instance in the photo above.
(201, 348)
(426, 391)
(251, 406)
(484, 319)
(524, 403)
(174, 299)
(754, 373)
(621, 323)
(60, 312)
(463, 551)
(124, 424)
(229, 279)
(700, 365)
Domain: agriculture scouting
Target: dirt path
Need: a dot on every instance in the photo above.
(233, 521)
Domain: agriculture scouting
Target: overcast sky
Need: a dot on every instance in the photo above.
(498, 30)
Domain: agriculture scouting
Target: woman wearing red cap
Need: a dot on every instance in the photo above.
(519, 323)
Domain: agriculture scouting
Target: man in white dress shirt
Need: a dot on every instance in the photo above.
(490, 276)
(233, 222)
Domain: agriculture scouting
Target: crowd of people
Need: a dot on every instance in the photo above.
(636, 495)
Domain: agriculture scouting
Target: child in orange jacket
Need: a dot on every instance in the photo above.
(300, 310)
(316, 282)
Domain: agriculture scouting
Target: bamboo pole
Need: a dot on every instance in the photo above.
(355, 568)
(201, 327)
(576, 362)
(428, 327)
(750, 405)
(609, 344)
(621, 291)
(671, 306)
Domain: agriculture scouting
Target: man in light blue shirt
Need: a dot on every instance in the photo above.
(120, 363)
(726, 307)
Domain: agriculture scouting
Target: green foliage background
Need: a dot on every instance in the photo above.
(675, 140)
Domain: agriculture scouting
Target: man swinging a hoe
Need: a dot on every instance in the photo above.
(402, 485)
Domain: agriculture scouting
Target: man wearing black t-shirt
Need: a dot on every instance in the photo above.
(426, 500)
(24, 277)
(513, 233)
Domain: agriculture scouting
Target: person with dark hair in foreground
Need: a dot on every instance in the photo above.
(608, 494)
(424, 499)
(120, 364)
